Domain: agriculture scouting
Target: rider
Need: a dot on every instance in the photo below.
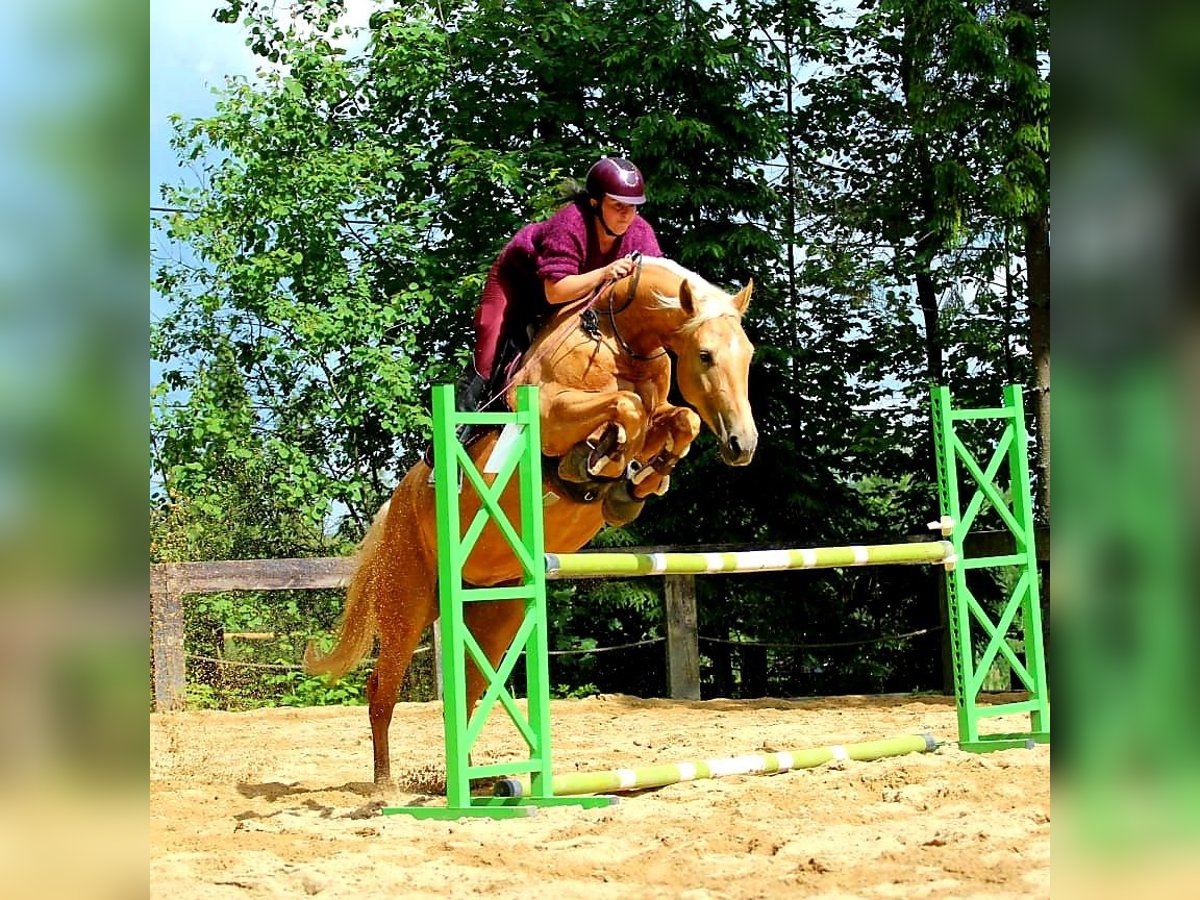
(581, 247)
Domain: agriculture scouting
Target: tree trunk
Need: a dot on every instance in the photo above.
(1023, 47)
(927, 298)
(1037, 258)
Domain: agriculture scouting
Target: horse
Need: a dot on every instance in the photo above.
(604, 373)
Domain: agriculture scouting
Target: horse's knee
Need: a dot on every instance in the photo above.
(629, 413)
(687, 424)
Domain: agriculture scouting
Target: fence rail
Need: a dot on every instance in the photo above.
(171, 582)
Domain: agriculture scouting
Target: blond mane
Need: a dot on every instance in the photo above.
(712, 302)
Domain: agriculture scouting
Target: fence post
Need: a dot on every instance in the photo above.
(166, 641)
(683, 641)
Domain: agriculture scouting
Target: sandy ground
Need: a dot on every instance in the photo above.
(279, 803)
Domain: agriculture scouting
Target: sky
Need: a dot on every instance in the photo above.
(190, 55)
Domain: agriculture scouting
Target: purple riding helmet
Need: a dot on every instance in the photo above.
(617, 178)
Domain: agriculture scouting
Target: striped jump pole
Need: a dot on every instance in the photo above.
(582, 565)
(576, 783)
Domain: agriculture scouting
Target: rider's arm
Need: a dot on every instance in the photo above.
(572, 287)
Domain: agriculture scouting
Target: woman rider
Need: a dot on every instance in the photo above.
(581, 247)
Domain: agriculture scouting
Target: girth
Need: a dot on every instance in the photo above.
(580, 492)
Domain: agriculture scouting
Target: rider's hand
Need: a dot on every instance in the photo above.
(618, 268)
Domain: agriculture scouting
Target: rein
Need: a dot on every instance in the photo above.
(612, 315)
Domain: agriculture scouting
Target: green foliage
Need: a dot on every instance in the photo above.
(202, 696)
(595, 615)
(299, 689)
(872, 170)
(573, 692)
(245, 650)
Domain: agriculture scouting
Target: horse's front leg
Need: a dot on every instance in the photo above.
(671, 432)
(668, 439)
(606, 427)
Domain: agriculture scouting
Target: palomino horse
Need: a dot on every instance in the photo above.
(603, 382)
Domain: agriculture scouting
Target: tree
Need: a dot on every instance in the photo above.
(1024, 190)
(929, 137)
(875, 172)
(297, 296)
(350, 208)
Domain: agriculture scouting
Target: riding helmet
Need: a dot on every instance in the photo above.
(618, 178)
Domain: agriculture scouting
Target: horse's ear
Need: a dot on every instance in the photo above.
(742, 299)
(686, 301)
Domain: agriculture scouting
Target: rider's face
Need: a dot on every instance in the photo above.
(619, 216)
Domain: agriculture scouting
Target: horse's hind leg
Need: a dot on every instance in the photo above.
(383, 687)
(406, 606)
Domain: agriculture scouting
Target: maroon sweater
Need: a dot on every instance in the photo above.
(564, 244)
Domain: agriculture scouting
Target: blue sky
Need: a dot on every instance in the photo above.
(190, 54)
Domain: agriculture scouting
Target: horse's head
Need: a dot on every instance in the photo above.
(713, 366)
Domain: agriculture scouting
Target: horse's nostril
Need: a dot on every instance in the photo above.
(735, 445)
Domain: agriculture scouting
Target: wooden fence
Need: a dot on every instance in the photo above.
(171, 582)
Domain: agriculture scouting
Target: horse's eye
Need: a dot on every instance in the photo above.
(706, 357)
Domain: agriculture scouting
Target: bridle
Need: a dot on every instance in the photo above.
(613, 313)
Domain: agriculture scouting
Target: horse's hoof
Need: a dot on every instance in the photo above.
(606, 467)
(604, 461)
(619, 506)
(638, 474)
(651, 487)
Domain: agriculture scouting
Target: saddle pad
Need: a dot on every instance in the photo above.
(500, 449)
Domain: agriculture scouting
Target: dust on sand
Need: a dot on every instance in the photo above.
(278, 802)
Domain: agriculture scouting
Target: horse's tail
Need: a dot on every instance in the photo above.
(357, 631)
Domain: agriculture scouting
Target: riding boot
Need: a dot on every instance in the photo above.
(470, 394)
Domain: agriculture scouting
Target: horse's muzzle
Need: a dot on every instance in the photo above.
(738, 449)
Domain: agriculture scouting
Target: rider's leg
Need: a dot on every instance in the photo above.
(491, 324)
(478, 388)
(470, 394)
